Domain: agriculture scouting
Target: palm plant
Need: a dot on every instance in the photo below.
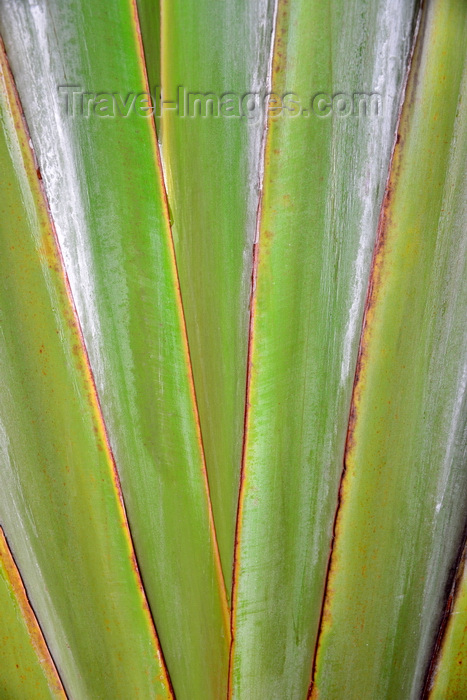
(233, 426)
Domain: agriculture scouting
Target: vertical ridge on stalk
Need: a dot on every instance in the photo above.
(214, 214)
(254, 272)
(58, 475)
(348, 437)
(323, 184)
(179, 303)
(102, 174)
(402, 520)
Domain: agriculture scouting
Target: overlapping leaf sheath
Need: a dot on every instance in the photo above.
(325, 167)
(26, 668)
(449, 679)
(59, 502)
(99, 162)
(404, 492)
(216, 51)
